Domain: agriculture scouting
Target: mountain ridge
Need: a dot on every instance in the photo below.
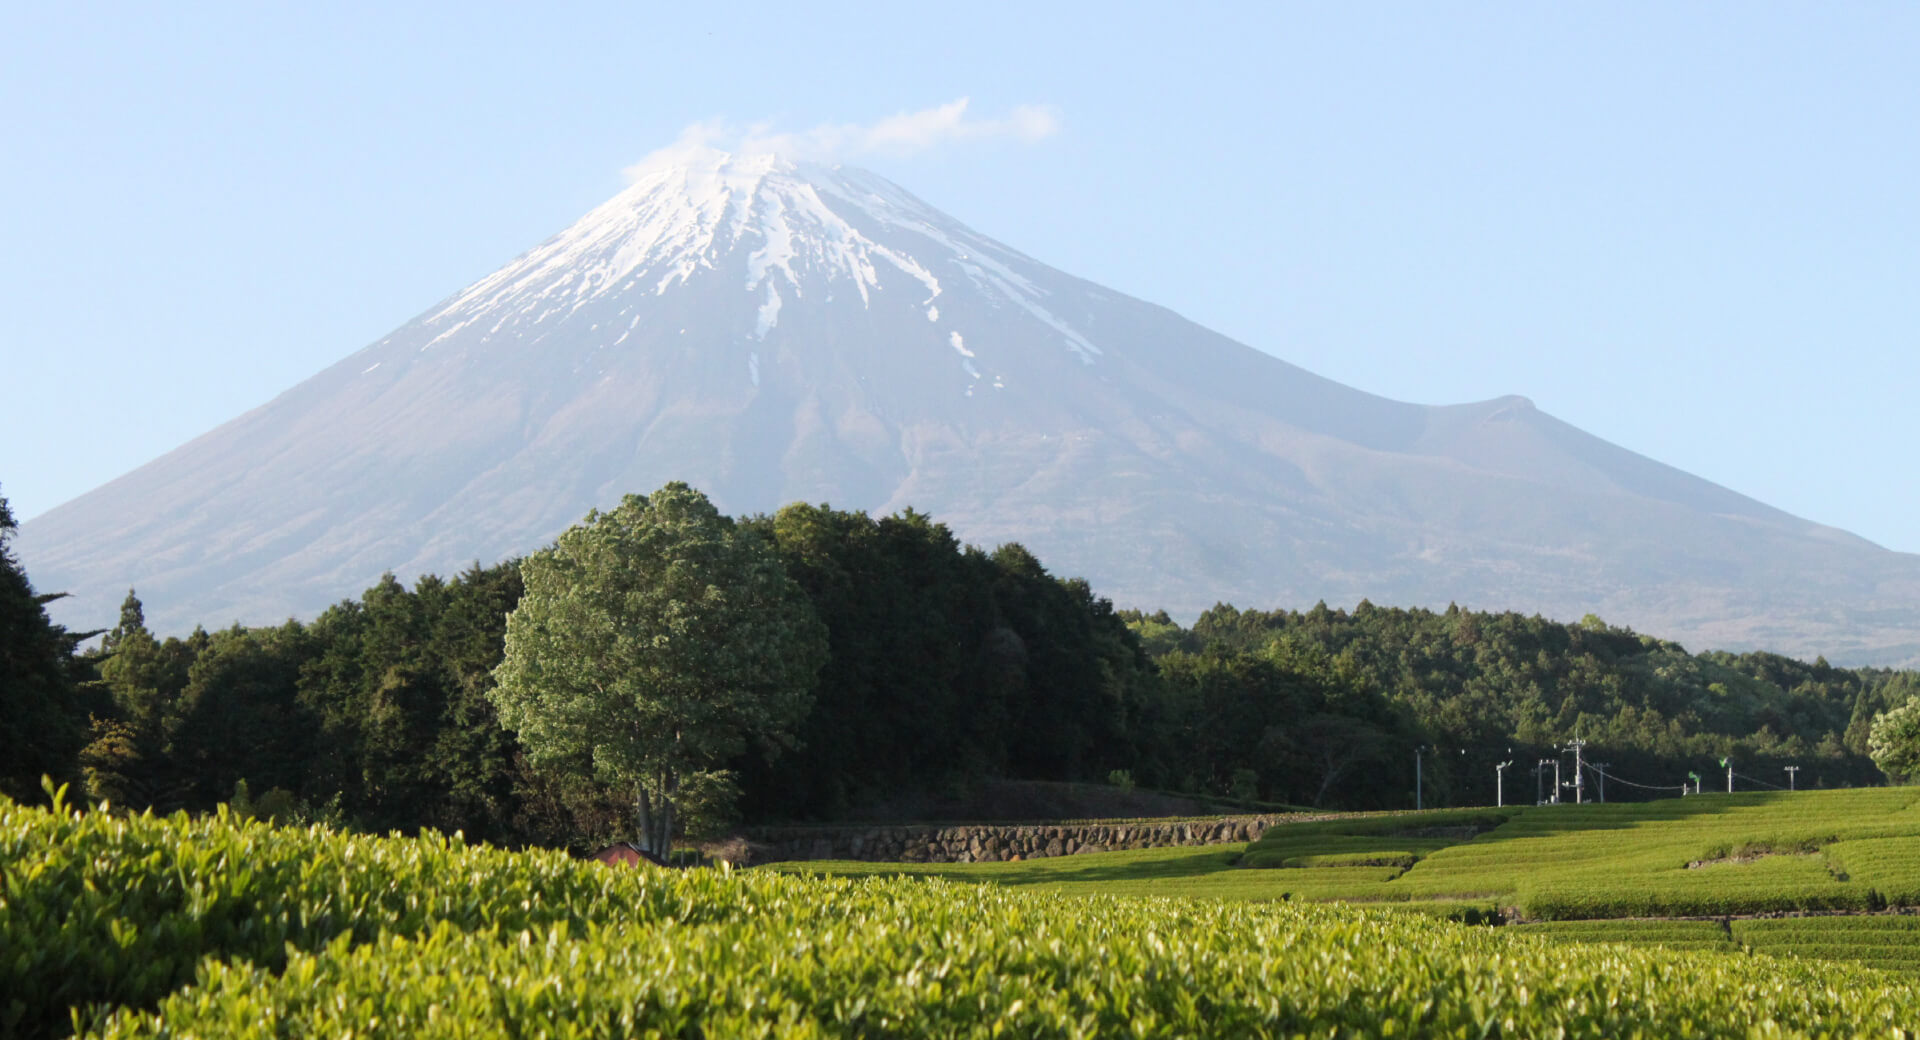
(775, 331)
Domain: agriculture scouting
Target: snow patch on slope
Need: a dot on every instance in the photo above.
(890, 206)
(769, 313)
(771, 220)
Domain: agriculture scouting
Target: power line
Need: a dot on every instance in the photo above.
(1644, 787)
(1762, 783)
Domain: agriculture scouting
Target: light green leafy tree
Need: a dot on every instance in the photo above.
(652, 645)
(1894, 742)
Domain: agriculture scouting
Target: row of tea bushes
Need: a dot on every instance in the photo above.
(1886, 941)
(1712, 855)
(1883, 941)
(259, 932)
(901, 958)
(103, 911)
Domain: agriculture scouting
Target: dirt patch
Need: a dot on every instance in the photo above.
(1750, 857)
(1749, 854)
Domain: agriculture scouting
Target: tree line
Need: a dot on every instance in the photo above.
(1474, 689)
(945, 665)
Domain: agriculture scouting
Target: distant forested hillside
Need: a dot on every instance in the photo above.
(950, 667)
(1478, 689)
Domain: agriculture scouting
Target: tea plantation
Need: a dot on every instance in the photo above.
(212, 926)
(1711, 856)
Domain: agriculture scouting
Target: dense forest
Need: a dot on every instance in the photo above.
(1476, 689)
(949, 666)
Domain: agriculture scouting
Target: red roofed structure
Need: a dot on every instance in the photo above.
(625, 854)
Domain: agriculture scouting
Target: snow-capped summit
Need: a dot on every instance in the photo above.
(773, 330)
(777, 230)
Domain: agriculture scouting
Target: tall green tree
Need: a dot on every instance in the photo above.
(652, 644)
(1895, 743)
(43, 719)
(239, 717)
(471, 759)
(397, 688)
(137, 675)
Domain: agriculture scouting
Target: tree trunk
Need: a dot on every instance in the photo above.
(666, 831)
(1333, 769)
(655, 818)
(663, 820)
(643, 805)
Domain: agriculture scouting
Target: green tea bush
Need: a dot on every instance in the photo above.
(1890, 942)
(1630, 931)
(1889, 926)
(102, 911)
(182, 927)
(897, 958)
(1382, 858)
(1879, 941)
(1577, 902)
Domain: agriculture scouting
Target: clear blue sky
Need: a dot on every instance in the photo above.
(1692, 229)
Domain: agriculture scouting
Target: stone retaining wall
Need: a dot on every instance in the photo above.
(999, 842)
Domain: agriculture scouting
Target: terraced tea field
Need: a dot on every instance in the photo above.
(1706, 856)
(1886, 941)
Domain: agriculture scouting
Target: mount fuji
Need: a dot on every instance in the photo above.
(772, 331)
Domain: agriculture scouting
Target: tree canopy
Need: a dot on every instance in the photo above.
(43, 718)
(948, 668)
(652, 644)
(1895, 741)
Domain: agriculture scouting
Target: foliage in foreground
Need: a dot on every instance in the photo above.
(181, 927)
(103, 911)
(912, 960)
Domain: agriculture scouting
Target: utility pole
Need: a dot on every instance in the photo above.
(1500, 783)
(1793, 778)
(1556, 780)
(1728, 762)
(1579, 775)
(1539, 775)
(1600, 770)
(1419, 777)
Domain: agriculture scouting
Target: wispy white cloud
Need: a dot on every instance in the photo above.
(907, 133)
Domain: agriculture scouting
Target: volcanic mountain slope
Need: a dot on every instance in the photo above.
(773, 331)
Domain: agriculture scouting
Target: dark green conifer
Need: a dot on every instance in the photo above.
(43, 722)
